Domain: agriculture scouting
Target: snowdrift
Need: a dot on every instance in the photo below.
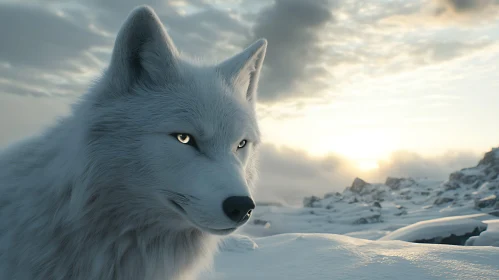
(330, 256)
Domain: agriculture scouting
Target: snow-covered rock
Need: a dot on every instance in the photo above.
(489, 237)
(486, 202)
(399, 183)
(330, 256)
(451, 230)
(358, 185)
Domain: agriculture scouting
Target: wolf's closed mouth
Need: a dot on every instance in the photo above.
(214, 231)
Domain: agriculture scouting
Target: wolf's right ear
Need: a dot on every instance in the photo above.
(142, 50)
(243, 69)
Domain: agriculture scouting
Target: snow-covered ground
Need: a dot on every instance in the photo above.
(329, 256)
(375, 220)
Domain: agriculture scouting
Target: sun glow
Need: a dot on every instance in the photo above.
(367, 164)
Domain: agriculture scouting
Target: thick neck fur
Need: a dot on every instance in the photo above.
(69, 214)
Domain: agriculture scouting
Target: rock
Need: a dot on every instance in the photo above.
(490, 158)
(309, 201)
(467, 176)
(456, 176)
(443, 200)
(452, 239)
(377, 204)
(355, 200)
(486, 202)
(328, 195)
(398, 183)
(259, 222)
(369, 220)
(451, 185)
(358, 185)
(403, 212)
(405, 192)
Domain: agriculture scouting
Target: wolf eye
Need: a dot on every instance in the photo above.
(242, 144)
(185, 138)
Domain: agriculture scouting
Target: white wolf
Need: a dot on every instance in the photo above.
(155, 161)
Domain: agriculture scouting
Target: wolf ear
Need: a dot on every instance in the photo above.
(142, 50)
(243, 69)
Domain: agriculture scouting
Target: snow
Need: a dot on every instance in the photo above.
(490, 237)
(437, 228)
(371, 210)
(237, 243)
(362, 232)
(330, 256)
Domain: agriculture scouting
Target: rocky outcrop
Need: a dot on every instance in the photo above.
(358, 185)
(474, 188)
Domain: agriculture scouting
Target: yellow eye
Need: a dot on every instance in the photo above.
(242, 144)
(183, 138)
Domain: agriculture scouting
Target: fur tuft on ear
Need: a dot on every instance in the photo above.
(243, 70)
(142, 50)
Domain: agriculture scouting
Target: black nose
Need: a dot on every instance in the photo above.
(238, 208)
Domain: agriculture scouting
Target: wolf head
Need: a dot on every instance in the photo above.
(171, 141)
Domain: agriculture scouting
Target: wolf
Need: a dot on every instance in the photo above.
(155, 163)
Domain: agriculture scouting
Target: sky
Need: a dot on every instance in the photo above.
(369, 88)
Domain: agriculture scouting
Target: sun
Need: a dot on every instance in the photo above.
(367, 164)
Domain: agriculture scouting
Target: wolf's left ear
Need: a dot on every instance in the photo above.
(142, 50)
(243, 69)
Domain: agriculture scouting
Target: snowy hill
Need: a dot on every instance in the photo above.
(372, 210)
(329, 256)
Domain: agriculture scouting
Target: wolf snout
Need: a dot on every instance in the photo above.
(238, 208)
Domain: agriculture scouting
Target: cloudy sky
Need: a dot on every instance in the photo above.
(350, 88)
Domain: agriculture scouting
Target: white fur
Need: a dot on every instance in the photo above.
(91, 197)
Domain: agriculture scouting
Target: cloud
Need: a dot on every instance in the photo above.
(448, 13)
(38, 37)
(293, 60)
(466, 6)
(55, 48)
(315, 47)
(28, 116)
(466, 12)
(287, 175)
(45, 52)
(435, 52)
(410, 164)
